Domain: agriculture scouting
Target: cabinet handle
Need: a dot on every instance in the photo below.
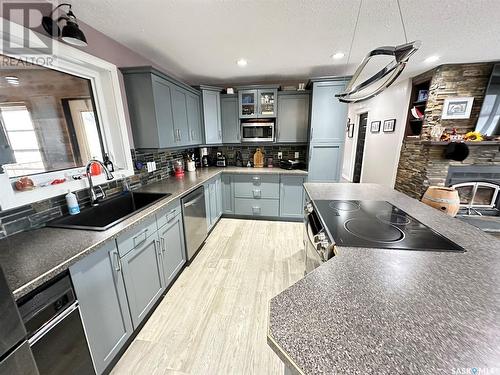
(163, 248)
(192, 135)
(257, 193)
(118, 264)
(256, 178)
(145, 233)
(157, 246)
(256, 209)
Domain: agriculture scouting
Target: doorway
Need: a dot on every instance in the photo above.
(360, 147)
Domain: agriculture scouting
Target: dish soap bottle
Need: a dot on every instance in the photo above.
(72, 203)
(108, 163)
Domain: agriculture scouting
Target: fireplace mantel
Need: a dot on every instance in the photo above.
(443, 143)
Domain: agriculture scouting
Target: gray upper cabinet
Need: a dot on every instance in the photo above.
(229, 119)
(325, 162)
(163, 111)
(293, 119)
(211, 114)
(194, 119)
(142, 272)
(328, 115)
(173, 249)
(100, 291)
(179, 107)
(258, 102)
(292, 197)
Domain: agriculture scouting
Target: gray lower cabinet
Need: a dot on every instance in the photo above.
(143, 276)
(229, 119)
(325, 162)
(293, 119)
(172, 247)
(227, 194)
(213, 200)
(100, 290)
(212, 116)
(292, 197)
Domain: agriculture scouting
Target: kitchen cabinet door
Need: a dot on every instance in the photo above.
(100, 291)
(194, 119)
(248, 103)
(325, 162)
(179, 107)
(227, 194)
(229, 119)
(328, 115)
(173, 249)
(143, 277)
(206, 189)
(218, 196)
(213, 204)
(267, 103)
(212, 117)
(292, 197)
(293, 119)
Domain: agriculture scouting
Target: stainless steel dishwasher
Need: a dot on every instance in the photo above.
(195, 221)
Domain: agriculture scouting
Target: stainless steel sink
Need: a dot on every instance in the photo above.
(109, 212)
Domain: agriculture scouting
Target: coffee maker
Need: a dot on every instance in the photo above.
(204, 156)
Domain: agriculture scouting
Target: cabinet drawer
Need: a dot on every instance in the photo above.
(256, 186)
(168, 213)
(136, 236)
(256, 207)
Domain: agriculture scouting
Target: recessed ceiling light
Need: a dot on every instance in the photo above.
(338, 55)
(242, 62)
(431, 59)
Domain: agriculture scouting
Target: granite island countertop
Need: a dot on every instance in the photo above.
(393, 311)
(32, 258)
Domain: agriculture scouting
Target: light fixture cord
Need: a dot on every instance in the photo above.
(402, 21)
(354, 34)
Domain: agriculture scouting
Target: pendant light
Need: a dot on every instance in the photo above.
(71, 33)
(379, 81)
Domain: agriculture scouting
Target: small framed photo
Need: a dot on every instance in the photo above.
(389, 125)
(375, 127)
(422, 95)
(457, 108)
(350, 132)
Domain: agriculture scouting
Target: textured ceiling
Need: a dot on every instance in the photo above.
(200, 40)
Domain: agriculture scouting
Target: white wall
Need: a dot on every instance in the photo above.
(381, 154)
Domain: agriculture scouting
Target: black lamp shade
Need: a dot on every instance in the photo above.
(72, 34)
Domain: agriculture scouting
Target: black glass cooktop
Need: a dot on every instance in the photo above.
(378, 224)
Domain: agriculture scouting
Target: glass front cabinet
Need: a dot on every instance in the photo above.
(258, 103)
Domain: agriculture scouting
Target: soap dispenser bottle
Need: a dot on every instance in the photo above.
(72, 203)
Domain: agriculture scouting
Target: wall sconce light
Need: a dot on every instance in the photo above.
(70, 33)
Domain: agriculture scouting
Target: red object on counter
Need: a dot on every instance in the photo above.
(95, 169)
(58, 181)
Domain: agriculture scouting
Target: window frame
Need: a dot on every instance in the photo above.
(108, 102)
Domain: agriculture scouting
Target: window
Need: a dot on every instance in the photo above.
(47, 121)
(25, 156)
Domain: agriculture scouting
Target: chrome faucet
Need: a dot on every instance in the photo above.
(96, 192)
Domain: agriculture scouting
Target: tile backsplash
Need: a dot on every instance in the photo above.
(268, 150)
(37, 214)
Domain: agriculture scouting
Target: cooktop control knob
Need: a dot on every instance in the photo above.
(308, 208)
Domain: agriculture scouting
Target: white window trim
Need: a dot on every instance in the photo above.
(109, 107)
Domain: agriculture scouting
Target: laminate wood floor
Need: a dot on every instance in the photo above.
(214, 318)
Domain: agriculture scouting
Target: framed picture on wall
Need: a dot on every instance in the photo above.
(457, 108)
(389, 125)
(375, 127)
(350, 131)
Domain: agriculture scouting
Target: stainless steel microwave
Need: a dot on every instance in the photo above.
(257, 131)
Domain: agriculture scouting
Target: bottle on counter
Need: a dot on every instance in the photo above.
(72, 202)
(108, 163)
